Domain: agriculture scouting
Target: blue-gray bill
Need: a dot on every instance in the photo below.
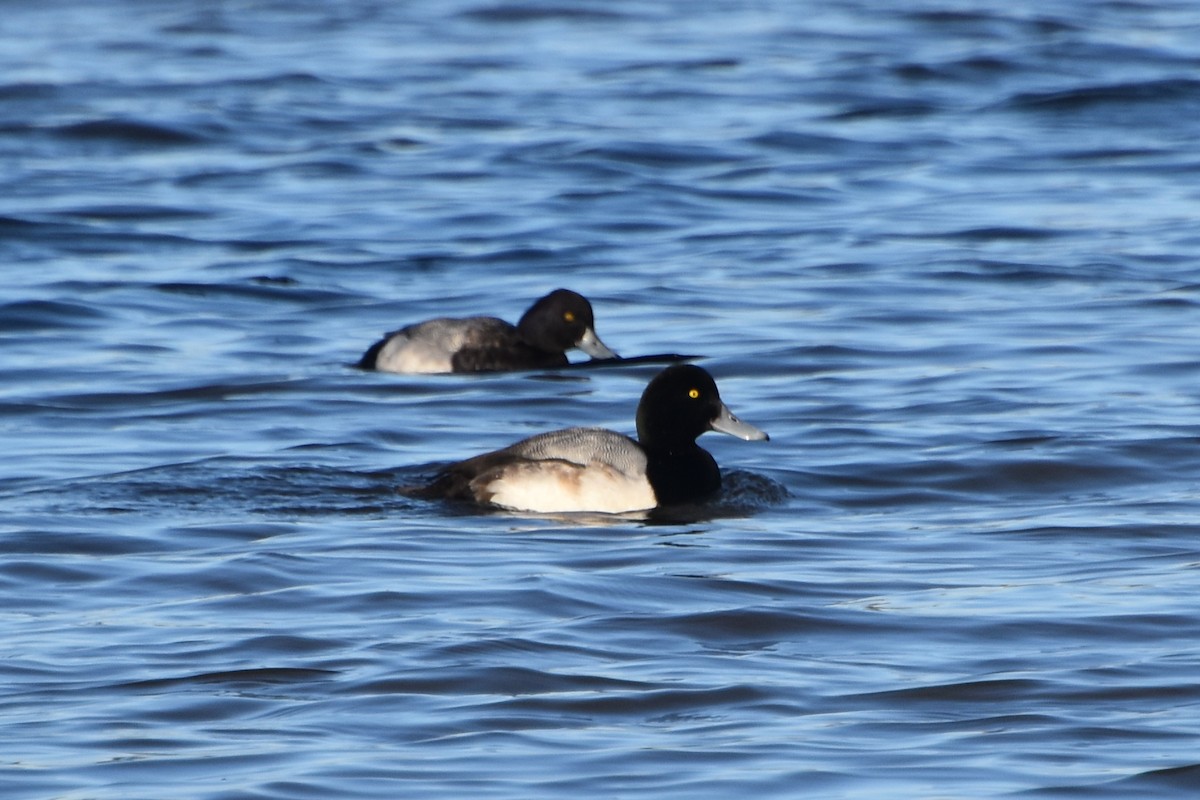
(726, 422)
(590, 343)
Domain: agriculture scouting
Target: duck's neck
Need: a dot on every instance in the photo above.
(682, 473)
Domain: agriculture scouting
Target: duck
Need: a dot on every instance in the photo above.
(599, 470)
(558, 322)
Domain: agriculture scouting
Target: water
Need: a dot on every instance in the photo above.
(943, 252)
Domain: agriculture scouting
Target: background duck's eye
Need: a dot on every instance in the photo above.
(569, 316)
(693, 393)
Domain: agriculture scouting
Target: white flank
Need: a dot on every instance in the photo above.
(402, 354)
(550, 487)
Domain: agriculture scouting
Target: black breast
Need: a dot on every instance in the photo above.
(683, 475)
(498, 356)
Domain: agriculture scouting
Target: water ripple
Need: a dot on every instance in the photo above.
(945, 255)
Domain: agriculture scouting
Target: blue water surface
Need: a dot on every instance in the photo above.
(944, 251)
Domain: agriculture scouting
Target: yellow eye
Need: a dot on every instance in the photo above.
(569, 316)
(693, 393)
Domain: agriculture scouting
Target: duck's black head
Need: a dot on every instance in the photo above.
(682, 402)
(560, 321)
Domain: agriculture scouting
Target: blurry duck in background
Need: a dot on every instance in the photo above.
(558, 322)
